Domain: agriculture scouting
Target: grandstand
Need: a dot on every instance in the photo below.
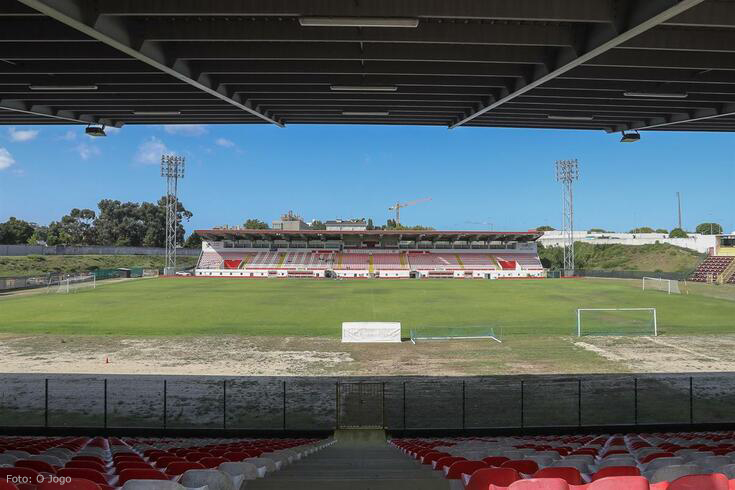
(369, 253)
(719, 267)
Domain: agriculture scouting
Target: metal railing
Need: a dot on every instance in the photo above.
(495, 402)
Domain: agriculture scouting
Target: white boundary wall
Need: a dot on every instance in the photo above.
(700, 243)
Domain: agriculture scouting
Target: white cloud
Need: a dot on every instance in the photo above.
(224, 142)
(150, 151)
(185, 129)
(111, 130)
(70, 135)
(23, 135)
(6, 159)
(87, 151)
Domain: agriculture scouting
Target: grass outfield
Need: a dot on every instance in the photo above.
(189, 306)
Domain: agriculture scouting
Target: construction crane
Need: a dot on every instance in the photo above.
(398, 206)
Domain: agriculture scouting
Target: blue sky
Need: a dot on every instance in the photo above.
(501, 176)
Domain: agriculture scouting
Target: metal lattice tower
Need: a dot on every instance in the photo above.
(567, 171)
(172, 168)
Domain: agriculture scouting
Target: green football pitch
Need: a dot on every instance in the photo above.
(193, 306)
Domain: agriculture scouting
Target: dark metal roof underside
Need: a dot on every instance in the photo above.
(501, 63)
(428, 235)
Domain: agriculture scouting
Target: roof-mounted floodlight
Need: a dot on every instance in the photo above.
(95, 131)
(630, 137)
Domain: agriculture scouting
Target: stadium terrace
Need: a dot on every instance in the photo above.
(369, 254)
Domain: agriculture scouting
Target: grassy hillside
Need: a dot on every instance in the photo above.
(42, 264)
(189, 306)
(659, 257)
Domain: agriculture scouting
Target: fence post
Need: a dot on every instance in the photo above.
(383, 406)
(404, 405)
(635, 401)
(224, 403)
(336, 404)
(579, 402)
(691, 400)
(165, 389)
(45, 404)
(105, 418)
(284, 405)
(464, 402)
(522, 405)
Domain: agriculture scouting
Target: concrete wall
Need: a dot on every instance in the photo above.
(700, 243)
(22, 250)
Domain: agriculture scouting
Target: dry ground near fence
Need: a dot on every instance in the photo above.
(309, 356)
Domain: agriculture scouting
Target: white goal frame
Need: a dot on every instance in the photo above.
(668, 285)
(71, 284)
(580, 310)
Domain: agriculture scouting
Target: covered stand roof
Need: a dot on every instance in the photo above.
(427, 235)
(581, 64)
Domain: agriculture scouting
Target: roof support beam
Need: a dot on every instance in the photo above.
(601, 39)
(114, 33)
(724, 110)
(49, 112)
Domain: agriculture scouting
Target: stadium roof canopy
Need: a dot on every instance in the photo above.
(584, 64)
(366, 235)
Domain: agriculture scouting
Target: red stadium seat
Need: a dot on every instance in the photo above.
(92, 465)
(616, 471)
(620, 483)
(483, 478)
(541, 484)
(196, 456)
(525, 466)
(236, 456)
(74, 484)
(5, 485)
(459, 468)
(496, 460)
(40, 466)
(653, 456)
(88, 458)
(84, 473)
(167, 460)
(19, 472)
(127, 465)
(140, 474)
(715, 481)
(446, 461)
(568, 474)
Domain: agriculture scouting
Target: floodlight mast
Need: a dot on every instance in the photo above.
(567, 171)
(172, 169)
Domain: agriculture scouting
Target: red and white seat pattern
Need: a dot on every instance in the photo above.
(712, 267)
(661, 461)
(353, 261)
(103, 464)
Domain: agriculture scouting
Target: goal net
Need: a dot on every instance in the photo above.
(71, 284)
(658, 284)
(455, 333)
(616, 321)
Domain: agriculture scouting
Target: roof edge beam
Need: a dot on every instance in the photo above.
(600, 40)
(113, 32)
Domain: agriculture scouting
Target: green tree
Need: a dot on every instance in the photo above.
(133, 224)
(15, 231)
(318, 225)
(597, 230)
(662, 230)
(709, 229)
(193, 241)
(255, 224)
(545, 228)
(678, 233)
(642, 229)
(370, 225)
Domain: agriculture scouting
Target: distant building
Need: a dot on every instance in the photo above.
(290, 222)
(347, 225)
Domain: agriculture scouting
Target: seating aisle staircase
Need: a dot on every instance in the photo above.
(355, 463)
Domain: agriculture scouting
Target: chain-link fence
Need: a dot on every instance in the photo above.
(314, 403)
(676, 276)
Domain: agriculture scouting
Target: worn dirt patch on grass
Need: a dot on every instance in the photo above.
(666, 355)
